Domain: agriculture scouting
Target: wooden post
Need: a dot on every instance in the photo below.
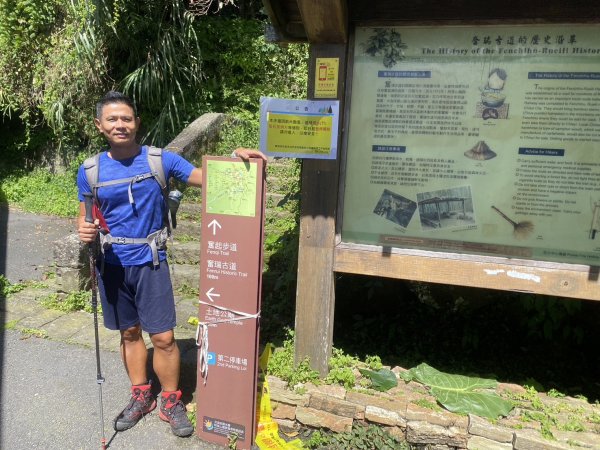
(315, 292)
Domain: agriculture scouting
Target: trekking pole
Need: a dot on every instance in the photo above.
(99, 378)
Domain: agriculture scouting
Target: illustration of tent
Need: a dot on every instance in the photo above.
(481, 151)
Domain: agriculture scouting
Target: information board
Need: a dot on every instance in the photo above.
(230, 289)
(476, 139)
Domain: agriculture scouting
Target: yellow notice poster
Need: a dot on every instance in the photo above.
(326, 77)
(288, 132)
(299, 128)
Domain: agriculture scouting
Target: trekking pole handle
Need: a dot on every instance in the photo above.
(89, 206)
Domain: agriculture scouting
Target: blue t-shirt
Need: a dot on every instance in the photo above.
(145, 216)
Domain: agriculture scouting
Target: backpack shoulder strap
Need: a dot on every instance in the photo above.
(91, 166)
(156, 166)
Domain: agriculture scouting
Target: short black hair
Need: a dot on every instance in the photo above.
(114, 97)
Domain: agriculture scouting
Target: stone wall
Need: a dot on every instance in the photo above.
(399, 412)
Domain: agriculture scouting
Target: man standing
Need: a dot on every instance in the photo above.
(134, 283)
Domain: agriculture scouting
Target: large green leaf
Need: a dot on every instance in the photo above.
(382, 380)
(458, 393)
(485, 404)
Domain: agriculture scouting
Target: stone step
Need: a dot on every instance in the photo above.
(186, 307)
(279, 184)
(190, 209)
(184, 252)
(185, 277)
(276, 164)
(188, 230)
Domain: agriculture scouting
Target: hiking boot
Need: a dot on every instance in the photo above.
(173, 410)
(142, 402)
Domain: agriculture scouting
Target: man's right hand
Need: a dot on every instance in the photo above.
(87, 231)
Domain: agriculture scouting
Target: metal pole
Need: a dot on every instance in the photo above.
(92, 256)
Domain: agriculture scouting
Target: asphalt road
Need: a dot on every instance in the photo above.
(27, 243)
(49, 400)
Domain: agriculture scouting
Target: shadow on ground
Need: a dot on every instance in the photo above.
(3, 243)
(541, 341)
(187, 379)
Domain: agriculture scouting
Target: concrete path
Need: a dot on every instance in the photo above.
(50, 400)
(48, 390)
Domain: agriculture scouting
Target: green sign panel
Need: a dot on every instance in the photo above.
(476, 139)
(231, 188)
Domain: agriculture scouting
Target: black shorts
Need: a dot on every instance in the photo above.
(133, 295)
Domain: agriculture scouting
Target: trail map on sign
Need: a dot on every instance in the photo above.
(231, 188)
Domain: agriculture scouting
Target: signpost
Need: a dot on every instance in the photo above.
(230, 292)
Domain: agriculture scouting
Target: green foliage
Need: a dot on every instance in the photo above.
(555, 394)
(531, 395)
(43, 79)
(240, 66)
(546, 421)
(594, 418)
(162, 67)
(25, 27)
(151, 50)
(34, 332)
(281, 364)
(341, 368)
(552, 318)
(237, 133)
(182, 237)
(192, 417)
(382, 380)
(361, 437)
(461, 394)
(70, 80)
(187, 290)
(11, 325)
(74, 301)
(317, 439)
(373, 362)
(232, 439)
(281, 250)
(7, 288)
(572, 424)
(424, 403)
(40, 191)
(561, 416)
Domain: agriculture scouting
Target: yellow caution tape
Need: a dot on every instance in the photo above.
(268, 437)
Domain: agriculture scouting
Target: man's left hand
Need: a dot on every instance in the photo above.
(247, 153)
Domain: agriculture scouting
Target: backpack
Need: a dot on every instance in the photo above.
(158, 239)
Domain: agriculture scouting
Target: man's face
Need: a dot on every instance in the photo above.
(118, 124)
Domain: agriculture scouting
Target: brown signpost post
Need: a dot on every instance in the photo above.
(230, 292)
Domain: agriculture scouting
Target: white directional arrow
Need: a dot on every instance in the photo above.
(214, 224)
(210, 294)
